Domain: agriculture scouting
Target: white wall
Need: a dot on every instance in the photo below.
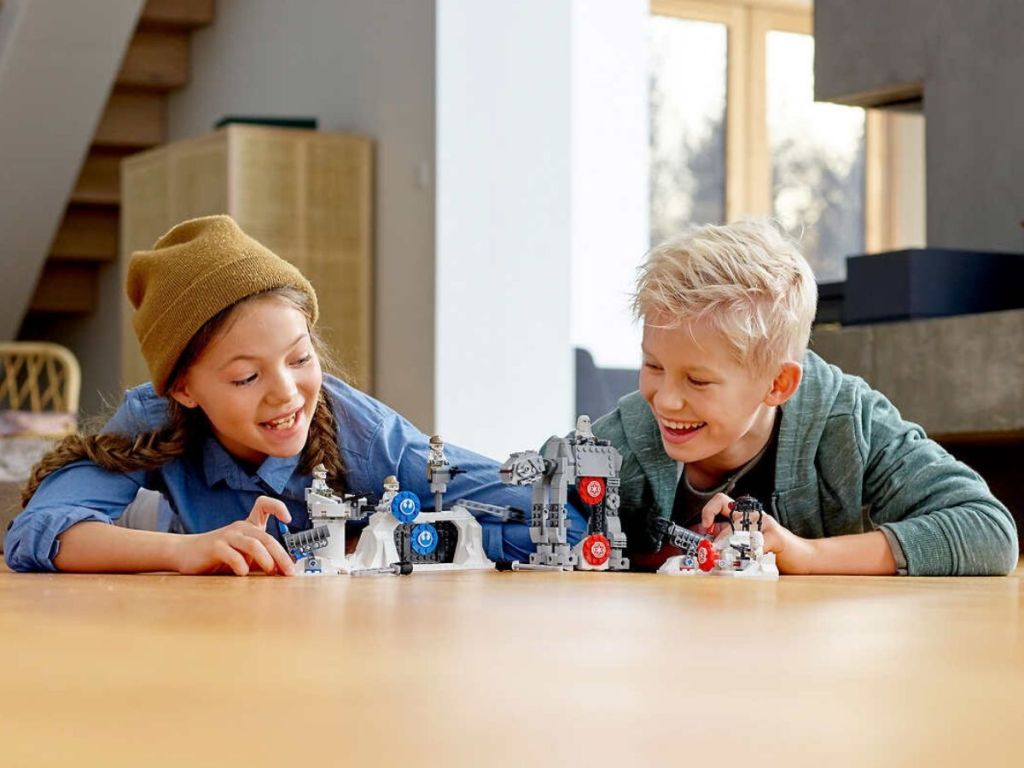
(504, 379)
(539, 134)
(610, 220)
(541, 208)
(360, 67)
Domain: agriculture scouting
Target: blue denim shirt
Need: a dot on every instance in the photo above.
(210, 490)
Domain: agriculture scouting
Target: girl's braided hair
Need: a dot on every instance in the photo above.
(186, 428)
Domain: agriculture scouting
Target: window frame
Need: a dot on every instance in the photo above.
(748, 169)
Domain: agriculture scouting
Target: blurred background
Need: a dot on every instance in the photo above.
(471, 184)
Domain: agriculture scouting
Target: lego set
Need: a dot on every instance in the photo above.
(399, 536)
(590, 465)
(740, 554)
(441, 540)
(321, 548)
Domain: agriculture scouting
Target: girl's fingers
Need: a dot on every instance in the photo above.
(230, 557)
(265, 508)
(256, 551)
(281, 558)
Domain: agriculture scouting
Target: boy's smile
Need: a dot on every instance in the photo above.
(680, 431)
(713, 413)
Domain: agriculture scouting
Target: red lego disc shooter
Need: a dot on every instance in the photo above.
(591, 489)
(596, 549)
(706, 556)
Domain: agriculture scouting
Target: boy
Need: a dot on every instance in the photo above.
(731, 402)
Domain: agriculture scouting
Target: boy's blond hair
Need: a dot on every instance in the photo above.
(746, 280)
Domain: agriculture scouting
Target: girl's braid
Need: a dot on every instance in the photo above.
(322, 444)
(117, 452)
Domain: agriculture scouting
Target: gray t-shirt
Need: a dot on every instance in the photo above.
(755, 478)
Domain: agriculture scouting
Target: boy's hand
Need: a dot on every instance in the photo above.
(793, 554)
(236, 547)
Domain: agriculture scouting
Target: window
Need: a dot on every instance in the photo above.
(687, 123)
(817, 158)
(735, 132)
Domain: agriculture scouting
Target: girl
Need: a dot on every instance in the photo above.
(236, 416)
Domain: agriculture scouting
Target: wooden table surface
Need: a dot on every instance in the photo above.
(486, 668)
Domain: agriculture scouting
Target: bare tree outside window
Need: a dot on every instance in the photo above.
(687, 83)
(817, 159)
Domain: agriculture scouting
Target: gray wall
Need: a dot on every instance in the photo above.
(359, 67)
(969, 56)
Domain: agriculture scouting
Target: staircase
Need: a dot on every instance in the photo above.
(156, 63)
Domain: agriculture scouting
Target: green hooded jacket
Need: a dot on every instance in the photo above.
(846, 463)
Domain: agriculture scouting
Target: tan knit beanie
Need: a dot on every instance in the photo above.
(199, 268)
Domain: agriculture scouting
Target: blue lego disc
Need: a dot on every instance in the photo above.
(424, 539)
(405, 506)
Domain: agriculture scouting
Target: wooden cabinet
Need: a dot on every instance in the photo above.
(306, 195)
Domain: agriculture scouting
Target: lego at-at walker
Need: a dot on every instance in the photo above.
(590, 465)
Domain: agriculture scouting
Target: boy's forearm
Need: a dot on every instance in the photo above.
(859, 554)
(94, 547)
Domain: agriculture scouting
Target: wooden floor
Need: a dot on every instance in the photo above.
(480, 669)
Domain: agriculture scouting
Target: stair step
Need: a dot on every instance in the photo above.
(157, 59)
(88, 234)
(132, 119)
(99, 182)
(66, 288)
(187, 14)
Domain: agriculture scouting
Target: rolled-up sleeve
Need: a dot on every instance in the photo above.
(75, 493)
(78, 492)
(940, 511)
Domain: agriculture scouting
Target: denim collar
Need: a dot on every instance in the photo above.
(219, 465)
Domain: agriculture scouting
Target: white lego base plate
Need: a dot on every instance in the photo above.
(762, 569)
(376, 547)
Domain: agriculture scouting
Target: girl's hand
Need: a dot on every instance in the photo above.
(793, 554)
(235, 548)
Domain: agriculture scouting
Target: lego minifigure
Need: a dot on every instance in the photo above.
(439, 471)
(321, 549)
(391, 489)
(584, 432)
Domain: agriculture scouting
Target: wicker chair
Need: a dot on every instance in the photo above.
(40, 384)
(39, 389)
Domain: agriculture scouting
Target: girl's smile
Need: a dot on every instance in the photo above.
(284, 425)
(257, 382)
